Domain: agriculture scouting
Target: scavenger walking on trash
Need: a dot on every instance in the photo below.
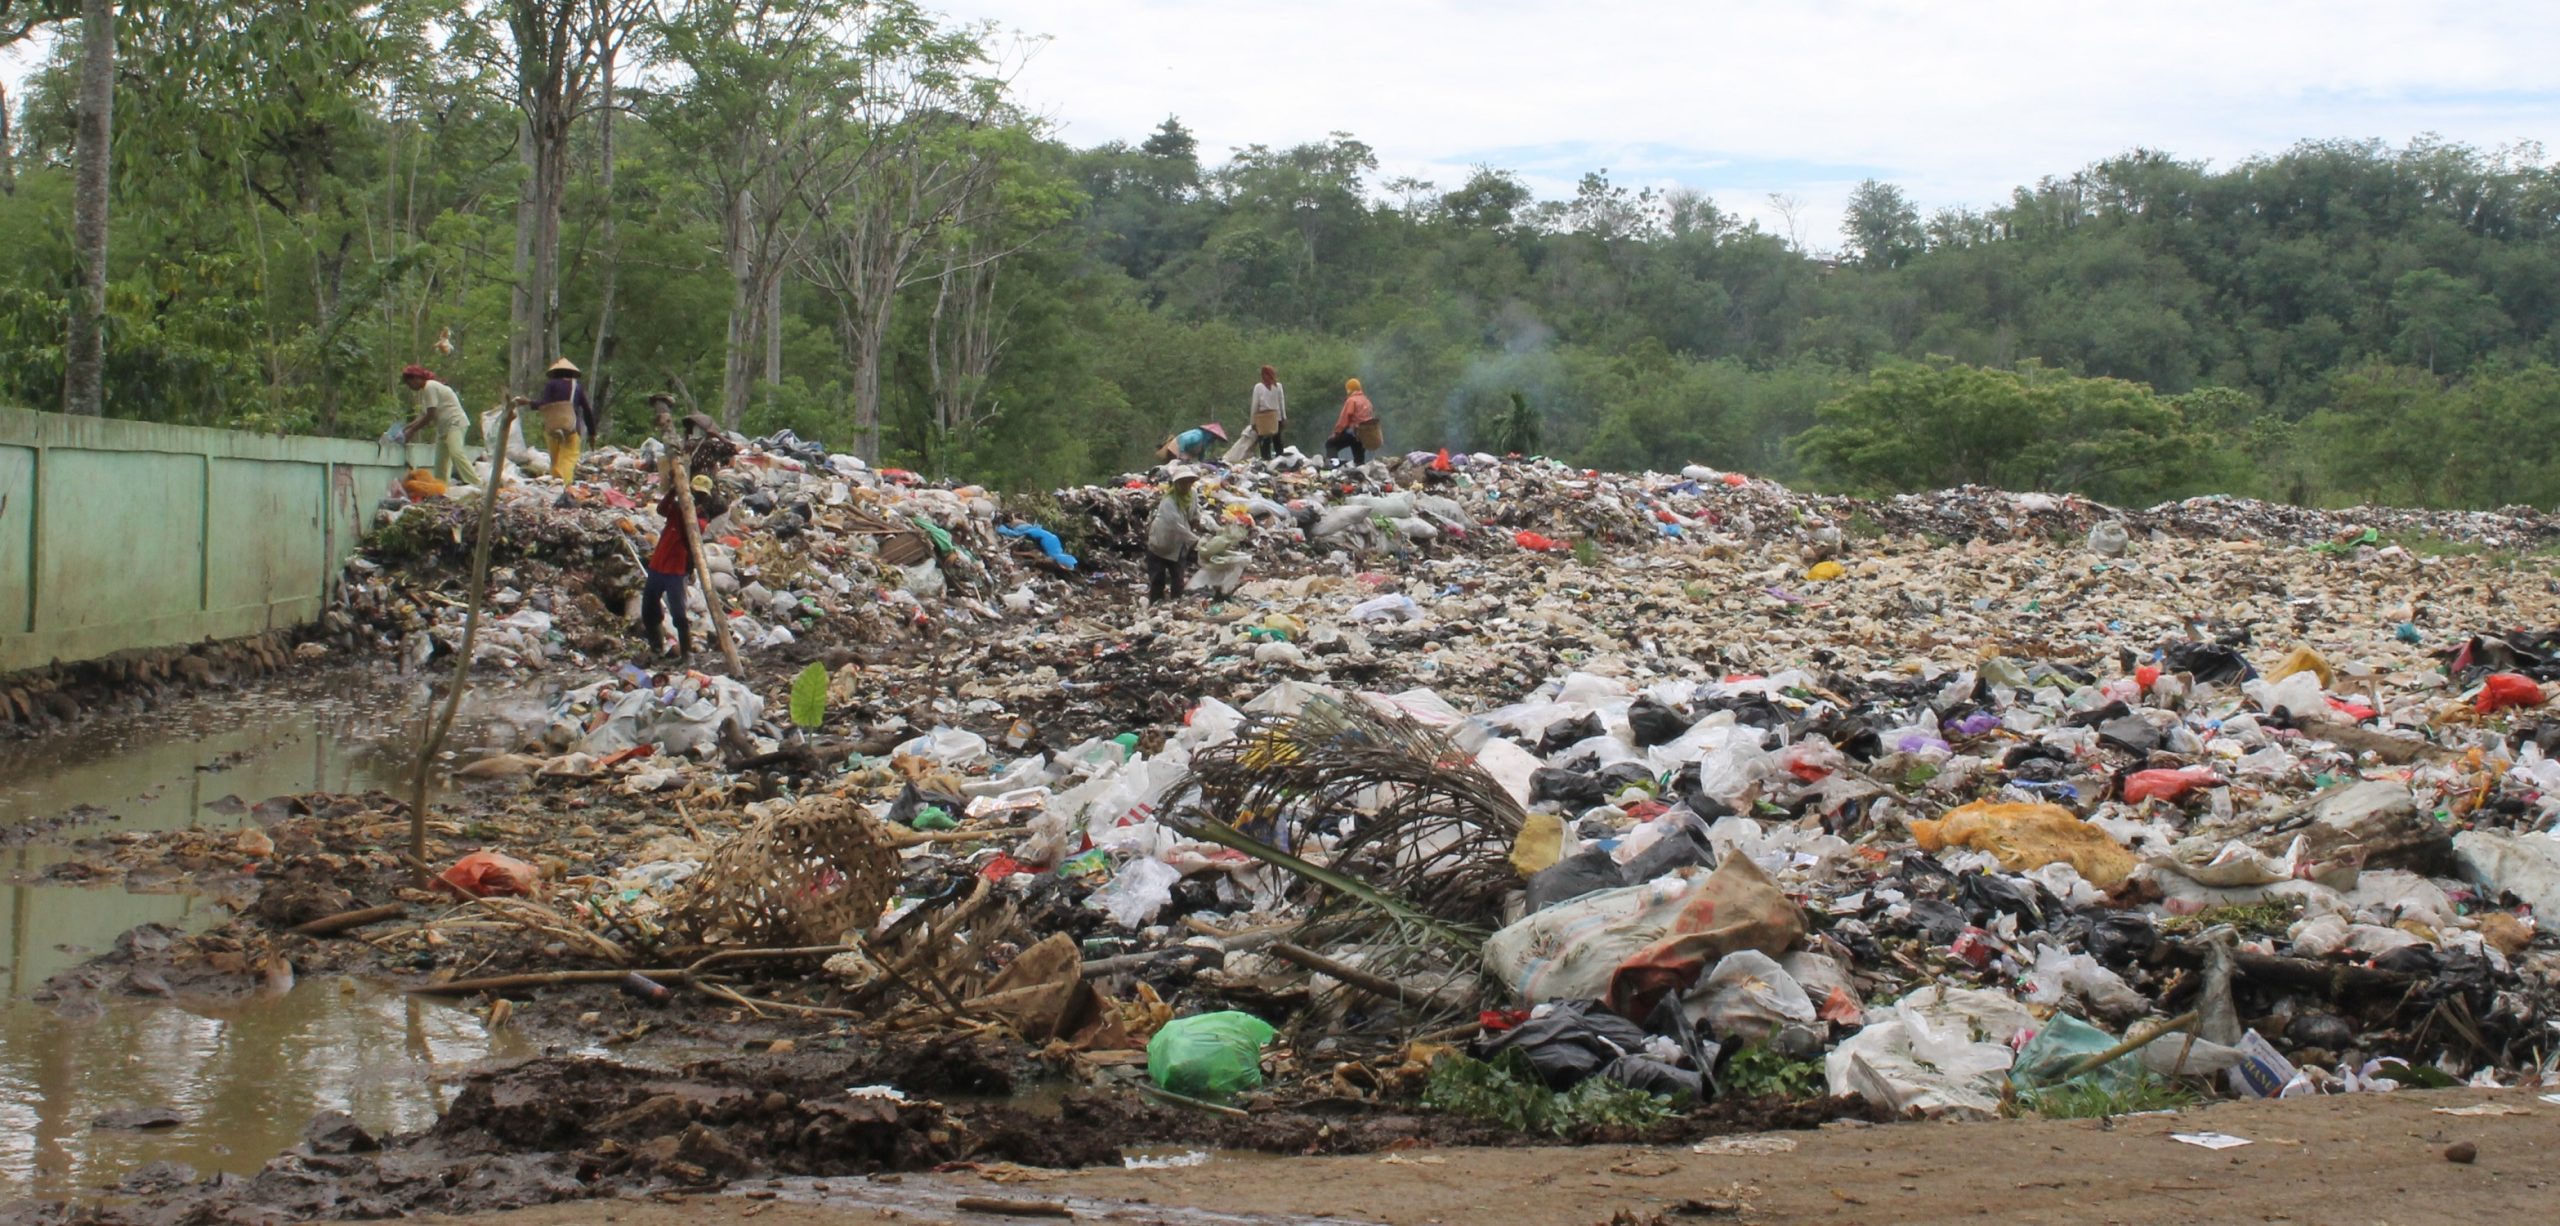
(567, 416)
(671, 567)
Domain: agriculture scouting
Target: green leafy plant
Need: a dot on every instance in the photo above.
(809, 696)
(2093, 1097)
(1756, 1071)
(1586, 552)
(1505, 1092)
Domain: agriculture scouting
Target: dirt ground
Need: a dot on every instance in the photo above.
(2347, 1159)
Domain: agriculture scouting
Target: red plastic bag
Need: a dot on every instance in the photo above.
(2146, 676)
(2503, 690)
(2353, 710)
(487, 874)
(1536, 543)
(2168, 785)
(1440, 463)
(1736, 480)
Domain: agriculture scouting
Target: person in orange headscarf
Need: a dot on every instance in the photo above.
(1357, 429)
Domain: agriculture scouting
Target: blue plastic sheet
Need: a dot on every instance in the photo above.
(1045, 539)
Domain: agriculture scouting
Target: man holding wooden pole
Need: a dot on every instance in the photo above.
(684, 486)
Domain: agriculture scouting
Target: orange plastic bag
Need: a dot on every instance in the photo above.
(421, 485)
(2169, 785)
(488, 874)
(2503, 690)
(2024, 837)
(1535, 542)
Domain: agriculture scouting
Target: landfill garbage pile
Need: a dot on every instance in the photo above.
(1566, 804)
(1502, 730)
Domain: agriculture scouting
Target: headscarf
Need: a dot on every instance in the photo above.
(415, 371)
(1270, 377)
(1351, 385)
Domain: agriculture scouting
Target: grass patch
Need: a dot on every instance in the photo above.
(1863, 527)
(2090, 1098)
(1506, 1093)
(1756, 1071)
(1586, 552)
(2276, 915)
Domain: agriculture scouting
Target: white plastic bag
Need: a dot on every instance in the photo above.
(1132, 898)
(1749, 998)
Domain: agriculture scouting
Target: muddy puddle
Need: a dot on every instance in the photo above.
(241, 1080)
(238, 1083)
(948, 1200)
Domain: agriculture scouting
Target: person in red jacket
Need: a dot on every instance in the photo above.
(670, 565)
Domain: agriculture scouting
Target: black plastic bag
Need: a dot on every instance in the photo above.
(1574, 1040)
(1684, 786)
(1572, 789)
(1685, 847)
(1583, 873)
(2212, 663)
(1655, 723)
(1987, 895)
(2120, 938)
(1565, 733)
(1654, 1077)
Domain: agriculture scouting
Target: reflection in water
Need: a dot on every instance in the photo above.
(246, 1080)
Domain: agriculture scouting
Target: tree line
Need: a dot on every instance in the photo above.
(839, 217)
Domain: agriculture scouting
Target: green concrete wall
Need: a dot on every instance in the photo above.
(121, 534)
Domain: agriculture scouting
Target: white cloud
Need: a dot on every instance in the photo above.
(1958, 102)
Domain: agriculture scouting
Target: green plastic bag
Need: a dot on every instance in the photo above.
(1211, 1055)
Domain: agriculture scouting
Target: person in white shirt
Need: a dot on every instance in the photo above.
(1270, 414)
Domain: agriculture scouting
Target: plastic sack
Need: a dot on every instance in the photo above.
(2108, 539)
(2524, 865)
(1938, 1051)
(1535, 542)
(1749, 998)
(1142, 888)
(1208, 1055)
(1631, 944)
(2029, 836)
(2060, 973)
(488, 874)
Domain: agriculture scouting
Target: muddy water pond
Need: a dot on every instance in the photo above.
(226, 1085)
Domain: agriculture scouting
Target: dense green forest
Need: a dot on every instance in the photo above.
(838, 217)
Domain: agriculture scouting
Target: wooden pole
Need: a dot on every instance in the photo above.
(442, 724)
(702, 568)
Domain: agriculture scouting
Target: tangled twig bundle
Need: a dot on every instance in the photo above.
(805, 875)
(1390, 801)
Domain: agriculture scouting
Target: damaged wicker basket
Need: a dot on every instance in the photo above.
(805, 875)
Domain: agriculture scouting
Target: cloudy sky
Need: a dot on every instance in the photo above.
(1957, 100)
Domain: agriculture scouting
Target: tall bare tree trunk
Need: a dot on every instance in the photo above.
(612, 247)
(85, 356)
(521, 361)
(870, 340)
(772, 340)
(746, 302)
(8, 159)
